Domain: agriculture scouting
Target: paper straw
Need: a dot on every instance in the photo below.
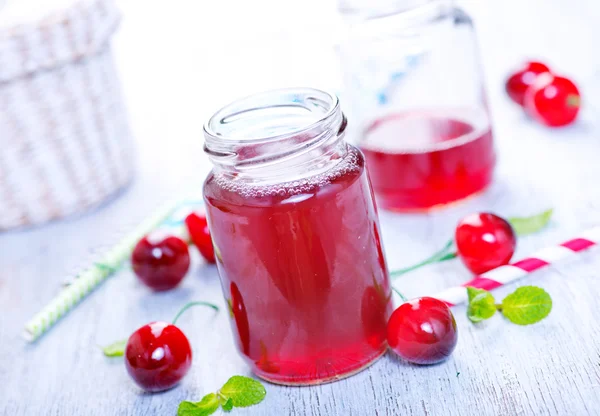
(170, 217)
(511, 272)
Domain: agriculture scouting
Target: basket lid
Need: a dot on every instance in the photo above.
(38, 35)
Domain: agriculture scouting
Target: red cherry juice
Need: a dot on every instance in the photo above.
(303, 271)
(419, 160)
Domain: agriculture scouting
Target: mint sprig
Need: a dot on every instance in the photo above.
(532, 224)
(116, 349)
(238, 391)
(482, 304)
(207, 406)
(525, 306)
(243, 391)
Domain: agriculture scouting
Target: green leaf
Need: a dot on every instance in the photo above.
(482, 304)
(205, 407)
(530, 225)
(116, 349)
(527, 305)
(228, 405)
(243, 391)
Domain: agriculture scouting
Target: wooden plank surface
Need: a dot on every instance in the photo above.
(178, 64)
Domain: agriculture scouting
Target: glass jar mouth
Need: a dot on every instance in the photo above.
(270, 116)
(283, 129)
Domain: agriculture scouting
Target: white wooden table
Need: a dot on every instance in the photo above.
(179, 62)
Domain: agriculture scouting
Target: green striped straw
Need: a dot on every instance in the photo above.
(97, 273)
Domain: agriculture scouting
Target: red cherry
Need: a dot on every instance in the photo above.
(200, 234)
(158, 356)
(517, 84)
(161, 262)
(553, 100)
(484, 241)
(422, 331)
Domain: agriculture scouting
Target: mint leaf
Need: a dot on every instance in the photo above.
(243, 391)
(116, 349)
(530, 225)
(482, 304)
(527, 305)
(239, 391)
(228, 405)
(205, 407)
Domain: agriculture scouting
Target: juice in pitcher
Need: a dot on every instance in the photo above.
(426, 158)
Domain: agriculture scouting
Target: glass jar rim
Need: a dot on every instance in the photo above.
(281, 129)
(274, 100)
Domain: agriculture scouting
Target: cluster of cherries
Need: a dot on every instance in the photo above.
(158, 355)
(423, 330)
(551, 99)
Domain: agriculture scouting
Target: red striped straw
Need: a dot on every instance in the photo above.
(509, 273)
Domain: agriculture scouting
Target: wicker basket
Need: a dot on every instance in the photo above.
(65, 144)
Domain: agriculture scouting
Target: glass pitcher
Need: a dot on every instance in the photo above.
(414, 86)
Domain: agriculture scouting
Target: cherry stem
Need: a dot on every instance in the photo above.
(444, 254)
(400, 294)
(189, 305)
(449, 256)
(573, 100)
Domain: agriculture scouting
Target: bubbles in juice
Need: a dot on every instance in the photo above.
(418, 160)
(303, 270)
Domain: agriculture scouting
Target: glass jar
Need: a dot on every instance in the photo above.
(297, 238)
(414, 86)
